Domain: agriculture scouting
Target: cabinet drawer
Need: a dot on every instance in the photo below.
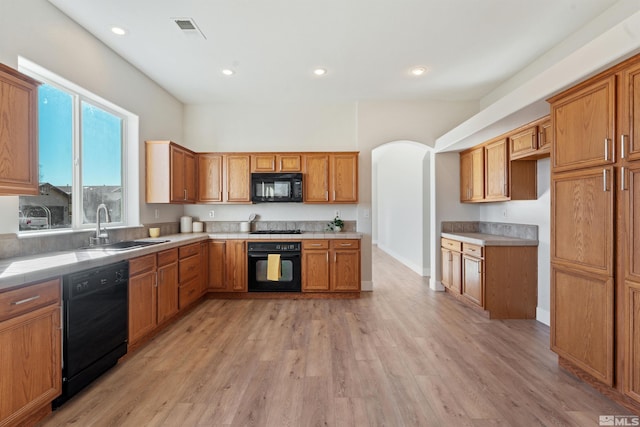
(167, 257)
(142, 264)
(23, 300)
(454, 245)
(189, 268)
(315, 244)
(345, 244)
(189, 250)
(475, 250)
(188, 293)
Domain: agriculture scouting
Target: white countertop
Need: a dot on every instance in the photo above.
(15, 272)
(489, 239)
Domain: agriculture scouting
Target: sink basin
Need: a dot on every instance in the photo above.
(123, 246)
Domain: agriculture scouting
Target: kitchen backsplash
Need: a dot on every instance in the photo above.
(11, 246)
(310, 226)
(520, 231)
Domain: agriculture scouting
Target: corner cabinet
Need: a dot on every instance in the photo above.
(170, 173)
(30, 350)
(18, 133)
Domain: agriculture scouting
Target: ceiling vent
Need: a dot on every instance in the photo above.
(188, 27)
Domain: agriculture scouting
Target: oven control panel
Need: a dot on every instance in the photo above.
(274, 247)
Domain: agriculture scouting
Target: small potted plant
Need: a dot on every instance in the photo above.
(336, 225)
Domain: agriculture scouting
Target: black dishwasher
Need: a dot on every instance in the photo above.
(95, 321)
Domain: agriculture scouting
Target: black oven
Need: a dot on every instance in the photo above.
(289, 254)
(276, 187)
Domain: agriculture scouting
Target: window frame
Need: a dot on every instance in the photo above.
(129, 156)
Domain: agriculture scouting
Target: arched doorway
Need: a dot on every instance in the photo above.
(401, 202)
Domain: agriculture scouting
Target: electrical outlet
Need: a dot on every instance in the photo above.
(212, 214)
(337, 212)
(156, 214)
(366, 213)
(504, 212)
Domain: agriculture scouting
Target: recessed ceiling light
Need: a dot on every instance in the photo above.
(320, 71)
(119, 31)
(418, 71)
(228, 72)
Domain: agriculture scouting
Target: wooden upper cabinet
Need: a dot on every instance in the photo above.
(171, 173)
(289, 162)
(472, 175)
(263, 162)
(545, 136)
(496, 165)
(18, 133)
(344, 178)
(316, 178)
(523, 143)
(630, 121)
(331, 177)
(238, 176)
(276, 162)
(584, 126)
(210, 168)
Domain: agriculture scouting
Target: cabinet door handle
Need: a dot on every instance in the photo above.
(346, 244)
(605, 187)
(280, 164)
(623, 184)
(315, 244)
(156, 279)
(185, 194)
(540, 136)
(622, 146)
(479, 267)
(450, 256)
(606, 149)
(26, 300)
(326, 195)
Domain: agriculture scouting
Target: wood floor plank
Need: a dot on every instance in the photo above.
(402, 355)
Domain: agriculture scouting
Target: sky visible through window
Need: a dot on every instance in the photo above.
(101, 136)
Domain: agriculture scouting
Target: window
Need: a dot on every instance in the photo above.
(82, 159)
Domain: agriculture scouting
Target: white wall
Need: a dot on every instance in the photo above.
(400, 186)
(36, 30)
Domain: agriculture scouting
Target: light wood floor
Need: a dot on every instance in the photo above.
(402, 355)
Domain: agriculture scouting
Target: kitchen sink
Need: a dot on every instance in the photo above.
(123, 246)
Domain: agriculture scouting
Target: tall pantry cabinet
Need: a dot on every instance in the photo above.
(595, 272)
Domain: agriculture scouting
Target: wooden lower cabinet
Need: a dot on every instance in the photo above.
(473, 279)
(189, 274)
(30, 351)
(632, 342)
(160, 285)
(217, 259)
(502, 280)
(236, 265)
(167, 290)
(315, 266)
(331, 265)
(451, 270)
(142, 297)
(582, 320)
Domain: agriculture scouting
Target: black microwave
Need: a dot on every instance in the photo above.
(276, 187)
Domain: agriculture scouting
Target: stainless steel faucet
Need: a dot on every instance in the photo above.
(102, 236)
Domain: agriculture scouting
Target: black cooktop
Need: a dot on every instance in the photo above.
(298, 231)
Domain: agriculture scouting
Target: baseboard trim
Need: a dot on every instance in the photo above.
(414, 267)
(366, 285)
(543, 316)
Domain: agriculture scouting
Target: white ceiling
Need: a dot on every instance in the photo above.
(367, 46)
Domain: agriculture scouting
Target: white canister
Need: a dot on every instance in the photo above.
(198, 227)
(244, 227)
(186, 224)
